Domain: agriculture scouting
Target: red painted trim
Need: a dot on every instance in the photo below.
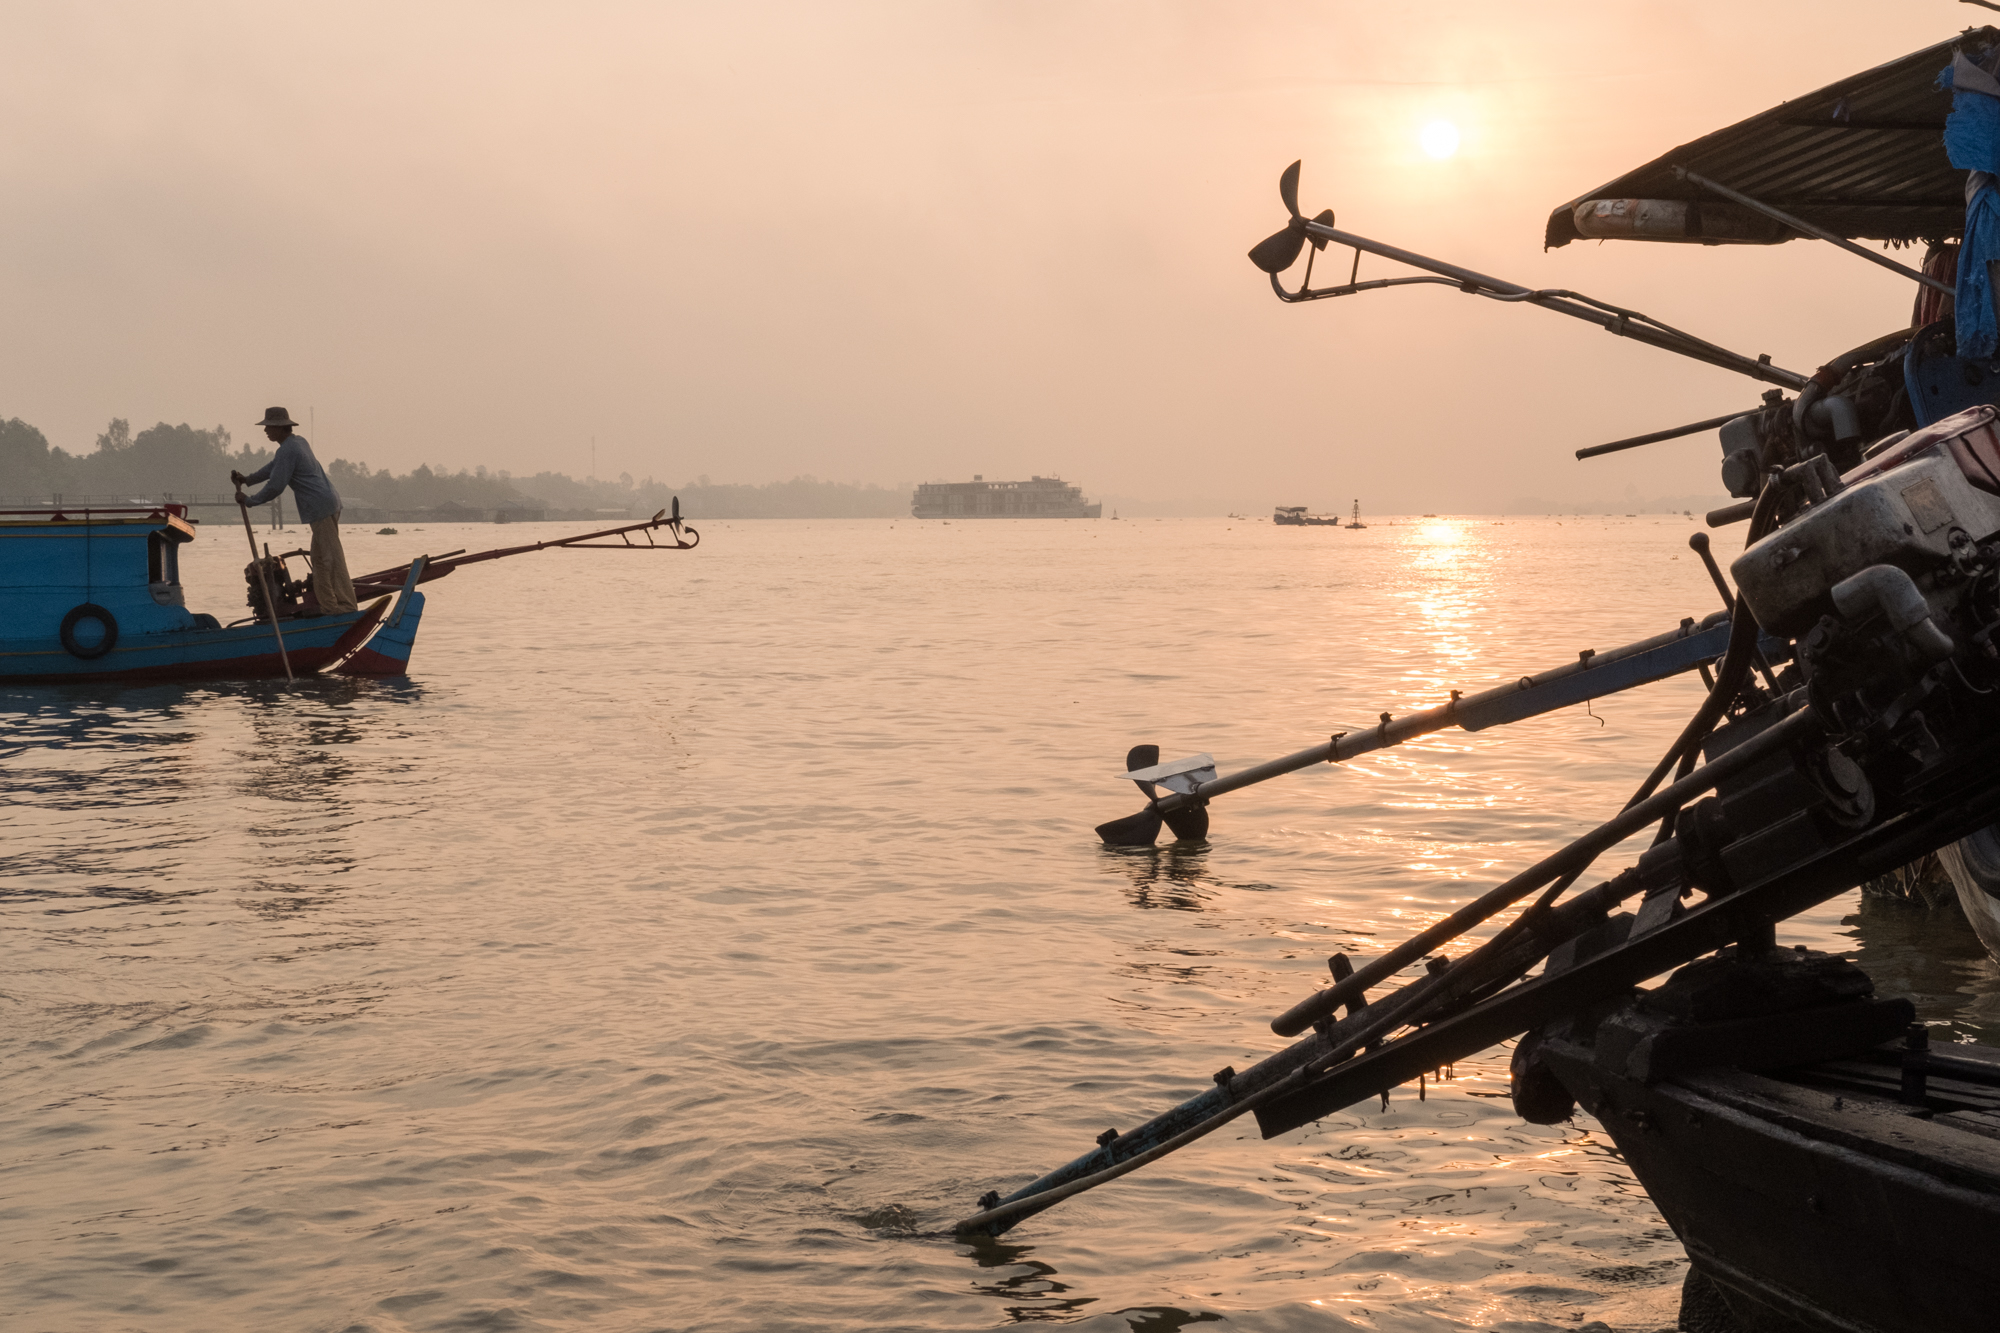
(368, 662)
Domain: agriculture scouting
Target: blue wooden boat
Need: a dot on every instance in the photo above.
(95, 595)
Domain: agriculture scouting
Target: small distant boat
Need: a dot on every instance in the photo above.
(1295, 516)
(1355, 522)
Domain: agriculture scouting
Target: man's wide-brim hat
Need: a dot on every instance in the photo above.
(277, 416)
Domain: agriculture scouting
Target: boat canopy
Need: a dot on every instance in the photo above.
(1862, 158)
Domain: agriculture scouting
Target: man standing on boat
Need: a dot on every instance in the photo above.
(318, 502)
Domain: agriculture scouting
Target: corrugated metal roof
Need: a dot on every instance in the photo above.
(1863, 157)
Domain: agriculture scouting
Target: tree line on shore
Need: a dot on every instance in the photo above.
(165, 460)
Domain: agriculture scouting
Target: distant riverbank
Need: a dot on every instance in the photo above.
(185, 462)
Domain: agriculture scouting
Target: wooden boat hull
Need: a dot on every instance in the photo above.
(240, 652)
(1816, 1188)
(1792, 1201)
(119, 569)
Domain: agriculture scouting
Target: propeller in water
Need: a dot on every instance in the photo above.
(1142, 829)
(1278, 252)
(1189, 822)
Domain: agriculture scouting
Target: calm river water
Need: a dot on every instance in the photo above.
(692, 937)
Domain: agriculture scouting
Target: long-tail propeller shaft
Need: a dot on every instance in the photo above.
(1191, 783)
(1279, 251)
(1463, 1005)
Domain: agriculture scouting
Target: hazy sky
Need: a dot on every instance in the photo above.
(893, 242)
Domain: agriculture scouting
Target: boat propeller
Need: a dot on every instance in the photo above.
(1188, 820)
(1274, 254)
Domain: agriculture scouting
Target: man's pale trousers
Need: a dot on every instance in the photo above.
(331, 586)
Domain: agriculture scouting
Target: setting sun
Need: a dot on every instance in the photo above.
(1439, 139)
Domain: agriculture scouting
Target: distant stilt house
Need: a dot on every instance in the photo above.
(355, 509)
(1037, 497)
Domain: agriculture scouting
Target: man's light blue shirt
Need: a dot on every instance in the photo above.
(296, 467)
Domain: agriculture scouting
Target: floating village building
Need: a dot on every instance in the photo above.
(1037, 497)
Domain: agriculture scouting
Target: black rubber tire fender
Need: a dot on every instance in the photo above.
(79, 614)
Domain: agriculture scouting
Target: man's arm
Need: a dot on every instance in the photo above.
(279, 470)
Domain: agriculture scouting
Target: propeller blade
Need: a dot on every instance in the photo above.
(1189, 823)
(677, 509)
(1325, 219)
(1140, 830)
(1143, 756)
(1288, 189)
(1143, 829)
(1276, 253)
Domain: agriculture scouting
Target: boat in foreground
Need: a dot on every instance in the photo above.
(1824, 1164)
(1826, 1167)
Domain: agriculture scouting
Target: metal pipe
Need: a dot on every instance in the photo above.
(442, 565)
(1474, 281)
(1711, 424)
(1470, 711)
(1233, 1095)
(1894, 593)
(1605, 836)
(1808, 229)
(1723, 517)
(1610, 321)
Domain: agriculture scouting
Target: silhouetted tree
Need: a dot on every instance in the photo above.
(117, 437)
(29, 468)
(181, 460)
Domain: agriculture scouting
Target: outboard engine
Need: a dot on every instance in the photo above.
(1888, 579)
(1858, 396)
(282, 587)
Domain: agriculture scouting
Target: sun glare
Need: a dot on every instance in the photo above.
(1439, 139)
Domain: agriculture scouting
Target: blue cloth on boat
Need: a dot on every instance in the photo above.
(1972, 141)
(296, 467)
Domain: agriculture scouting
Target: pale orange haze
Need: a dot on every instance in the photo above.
(892, 242)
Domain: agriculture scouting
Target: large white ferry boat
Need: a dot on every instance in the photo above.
(1037, 497)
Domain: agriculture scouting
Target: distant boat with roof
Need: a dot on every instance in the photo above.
(1037, 497)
